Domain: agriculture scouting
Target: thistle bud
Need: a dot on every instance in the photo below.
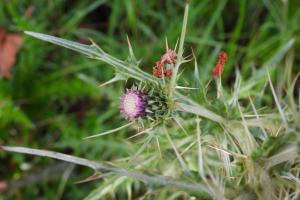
(140, 103)
(219, 68)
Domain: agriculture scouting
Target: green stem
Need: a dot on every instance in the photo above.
(180, 51)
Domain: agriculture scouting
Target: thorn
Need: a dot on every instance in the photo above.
(96, 45)
(140, 133)
(110, 131)
(186, 88)
(180, 125)
(158, 146)
(93, 177)
(175, 48)
(167, 46)
(117, 77)
(130, 49)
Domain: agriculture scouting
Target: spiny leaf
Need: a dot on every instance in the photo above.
(93, 51)
(201, 111)
(159, 180)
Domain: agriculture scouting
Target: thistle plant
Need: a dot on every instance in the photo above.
(206, 146)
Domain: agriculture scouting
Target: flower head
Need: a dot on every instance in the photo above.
(164, 66)
(133, 104)
(219, 68)
(169, 57)
(158, 70)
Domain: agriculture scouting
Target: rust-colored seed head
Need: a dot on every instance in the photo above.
(169, 58)
(219, 68)
(158, 70)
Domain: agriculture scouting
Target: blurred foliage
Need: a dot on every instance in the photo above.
(53, 101)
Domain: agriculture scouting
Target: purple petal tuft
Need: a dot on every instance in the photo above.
(133, 104)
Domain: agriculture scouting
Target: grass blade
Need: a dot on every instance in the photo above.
(283, 117)
(200, 155)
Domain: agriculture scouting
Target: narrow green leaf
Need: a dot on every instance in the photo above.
(201, 111)
(281, 112)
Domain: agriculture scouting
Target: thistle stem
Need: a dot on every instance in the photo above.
(180, 52)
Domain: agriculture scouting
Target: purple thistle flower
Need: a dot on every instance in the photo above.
(133, 104)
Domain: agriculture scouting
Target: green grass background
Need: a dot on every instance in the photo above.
(53, 101)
